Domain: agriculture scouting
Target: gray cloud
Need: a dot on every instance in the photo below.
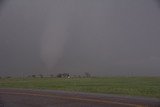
(104, 37)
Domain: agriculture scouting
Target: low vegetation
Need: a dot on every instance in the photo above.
(134, 86)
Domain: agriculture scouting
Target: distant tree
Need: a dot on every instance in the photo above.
(87, 74)
(8, 77)
(59, 75)
(0, 77)
(51, 75)
(28, 76)
(33, 76)
(40, 75)
(65, 75)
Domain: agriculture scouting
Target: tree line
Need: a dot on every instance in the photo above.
(59, 75)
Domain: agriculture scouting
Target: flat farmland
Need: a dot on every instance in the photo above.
(132, 86)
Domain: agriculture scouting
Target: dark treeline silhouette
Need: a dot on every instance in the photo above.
(63, 75)
(87, 74)
(59, 75)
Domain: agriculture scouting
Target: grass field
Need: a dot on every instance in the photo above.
(134, 86)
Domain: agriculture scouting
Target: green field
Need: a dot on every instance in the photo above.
(134, 86)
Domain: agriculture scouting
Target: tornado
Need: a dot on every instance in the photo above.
(55, 34)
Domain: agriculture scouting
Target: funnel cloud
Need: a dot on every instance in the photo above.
(55, 34)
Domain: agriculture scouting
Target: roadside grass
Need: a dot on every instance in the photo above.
(133, 86)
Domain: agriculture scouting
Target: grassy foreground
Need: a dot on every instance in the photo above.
(134, 86)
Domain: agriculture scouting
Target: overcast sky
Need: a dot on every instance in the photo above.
(102, 37)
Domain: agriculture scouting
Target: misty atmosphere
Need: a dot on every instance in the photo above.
(102, 37)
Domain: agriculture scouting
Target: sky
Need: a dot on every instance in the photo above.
(102, 37)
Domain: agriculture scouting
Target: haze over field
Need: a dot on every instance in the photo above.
(103, 37)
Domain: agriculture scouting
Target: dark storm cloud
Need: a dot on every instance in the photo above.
(103, 37)
(158, 1)
(1, 4)
(21, 28)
